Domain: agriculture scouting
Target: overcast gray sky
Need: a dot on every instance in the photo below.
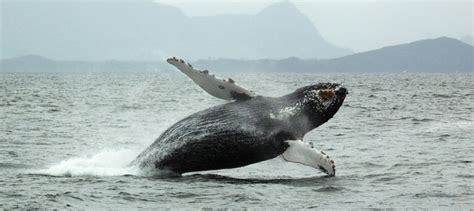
(360, 25)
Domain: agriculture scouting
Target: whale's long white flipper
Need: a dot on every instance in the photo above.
(303, 153)
(217, 87)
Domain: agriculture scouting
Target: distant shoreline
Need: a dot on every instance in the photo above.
(431, 55)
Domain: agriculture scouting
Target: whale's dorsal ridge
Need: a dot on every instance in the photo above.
(225, 89)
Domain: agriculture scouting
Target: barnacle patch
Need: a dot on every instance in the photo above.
(325, 94)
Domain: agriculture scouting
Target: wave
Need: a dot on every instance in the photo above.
(12, 165)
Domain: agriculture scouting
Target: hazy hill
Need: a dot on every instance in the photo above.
(146, 30)
(35, 63)
(441, 54)
(431, 55)
(468, 39)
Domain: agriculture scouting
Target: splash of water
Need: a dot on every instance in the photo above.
(108, 162)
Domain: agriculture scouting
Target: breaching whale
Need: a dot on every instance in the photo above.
(247, 130)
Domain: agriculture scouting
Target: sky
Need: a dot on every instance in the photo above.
(360, 25)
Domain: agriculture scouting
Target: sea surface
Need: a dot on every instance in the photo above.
(399, 141)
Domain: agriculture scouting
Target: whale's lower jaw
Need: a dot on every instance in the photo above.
(215, 163)
(226, 155)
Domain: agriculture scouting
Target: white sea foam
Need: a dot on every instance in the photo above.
(450, 127)
(105, 163)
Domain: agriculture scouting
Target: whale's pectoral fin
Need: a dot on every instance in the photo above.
(306, 154)
(225, 89)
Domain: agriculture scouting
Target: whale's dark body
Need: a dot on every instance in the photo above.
(240, 133)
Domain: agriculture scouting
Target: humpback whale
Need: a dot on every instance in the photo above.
(249, 129)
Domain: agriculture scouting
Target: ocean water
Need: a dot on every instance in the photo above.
(399, 141)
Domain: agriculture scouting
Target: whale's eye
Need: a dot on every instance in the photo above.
(325, 94)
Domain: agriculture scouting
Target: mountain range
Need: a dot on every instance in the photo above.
(431, 55)
(147, 30)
